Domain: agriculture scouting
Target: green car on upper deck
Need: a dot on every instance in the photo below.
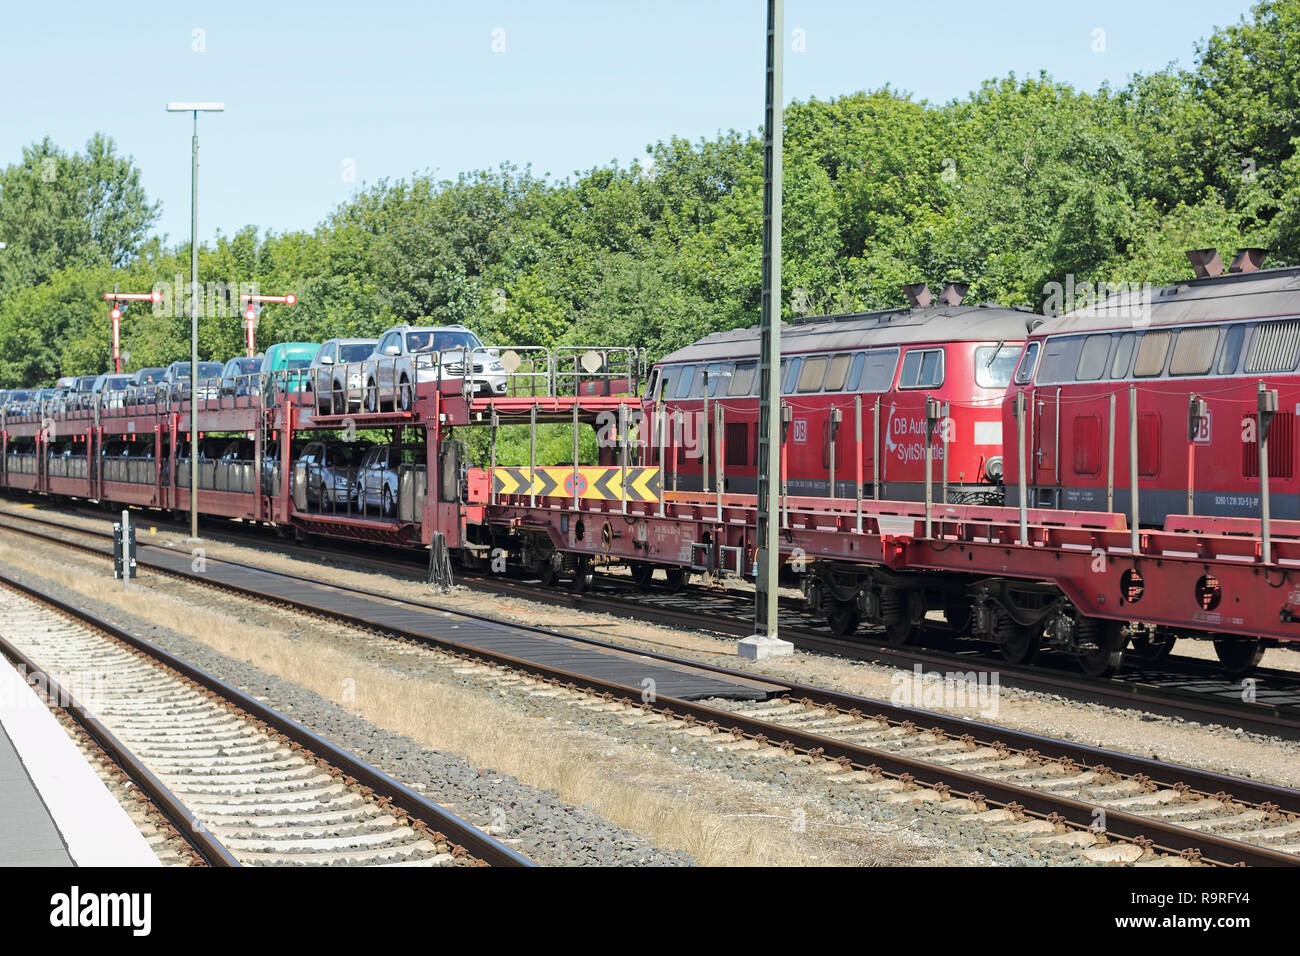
(285, 366)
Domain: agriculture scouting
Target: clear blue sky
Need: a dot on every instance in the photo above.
(401, 87)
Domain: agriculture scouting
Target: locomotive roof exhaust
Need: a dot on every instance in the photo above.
(1247, 260)
(953, 293)
(1205, 262)
(918, 294)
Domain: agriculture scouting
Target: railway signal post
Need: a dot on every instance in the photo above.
(120, 302)
(765, 642)
(252, 304)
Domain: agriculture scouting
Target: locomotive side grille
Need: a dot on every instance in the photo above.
(1148, 444)
(1281, 448)
(737, 443)
(1275, 347)
(1087, 445)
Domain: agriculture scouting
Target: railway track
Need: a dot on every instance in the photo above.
(1123, 807)
(241, 783)
(1180, 687)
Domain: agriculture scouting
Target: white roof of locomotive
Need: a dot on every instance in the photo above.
(934, 323)
(1266, 293)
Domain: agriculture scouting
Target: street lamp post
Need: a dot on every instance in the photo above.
(196, 109)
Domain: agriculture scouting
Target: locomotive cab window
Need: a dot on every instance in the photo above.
(838, 372)
(876, 371)
(1151, 354)
(719, 373)
(1231, 356)
(1092, 358)
(1123, 355)
(922, 368)
(684, 381)
(994, 365)
(1056, 363)
(1194, 351)
(697, 386)
(790, 375)
(668, 381)
(742, 380)
(1025, 374)
(813, 374)
(855, 371)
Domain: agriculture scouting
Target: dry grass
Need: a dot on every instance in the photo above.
(718, 820)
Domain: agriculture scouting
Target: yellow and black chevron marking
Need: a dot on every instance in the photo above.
(595, 483)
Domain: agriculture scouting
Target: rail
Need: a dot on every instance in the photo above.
(390, 792)
(822, 742)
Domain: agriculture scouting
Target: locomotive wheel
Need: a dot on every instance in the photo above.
(1148, 652)
(1238, 657)
(547, 573)
(1022, 644)
(899, 633)
(1109, 654)
(957, 616)
(677, 578)
(642, 572)
(584, 578)
(844, 620)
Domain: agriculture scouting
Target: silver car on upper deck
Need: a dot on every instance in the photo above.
(410, 355)
(337, 375)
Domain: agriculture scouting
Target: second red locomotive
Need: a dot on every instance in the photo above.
(855, 389)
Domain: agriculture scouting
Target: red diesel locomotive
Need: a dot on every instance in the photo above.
(1209, 366)
(854, 396)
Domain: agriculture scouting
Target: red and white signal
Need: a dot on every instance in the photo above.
(120, 301)
(253, 307)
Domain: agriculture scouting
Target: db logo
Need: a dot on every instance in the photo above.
(800, 430)
(1202, 436)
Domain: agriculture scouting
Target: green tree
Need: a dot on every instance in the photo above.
(80, 209)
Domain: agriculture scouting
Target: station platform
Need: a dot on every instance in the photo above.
(370, 609)
(54, 809)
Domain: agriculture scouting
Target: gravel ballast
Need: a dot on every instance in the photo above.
(550, 830)
(543, 828)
